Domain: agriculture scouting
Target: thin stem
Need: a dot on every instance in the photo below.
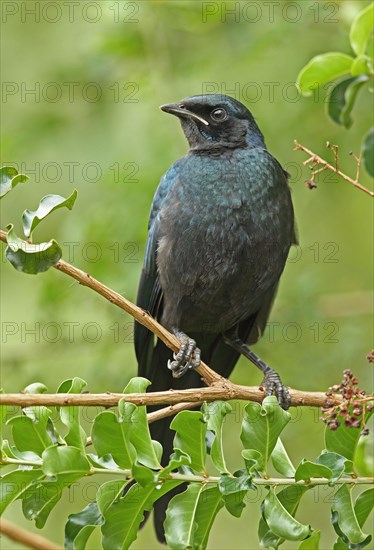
(320, 161)
(31, 540)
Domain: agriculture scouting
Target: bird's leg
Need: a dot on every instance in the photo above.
(188, 356)
(271, 381)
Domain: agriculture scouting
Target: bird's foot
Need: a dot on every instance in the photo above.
(273, 386)
(188, 356)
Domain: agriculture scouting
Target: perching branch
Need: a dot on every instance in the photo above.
(191, 396)
(219, 387)
(318, 161)
(31, 540)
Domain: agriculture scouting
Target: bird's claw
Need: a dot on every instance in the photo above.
(273, 386)
(188, 356)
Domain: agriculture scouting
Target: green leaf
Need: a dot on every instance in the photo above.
(9, 178)
(190, 434)
(108, 493)
(342, 99)
(364, 505)
(290, 498)
(40, 499)
(344, 440)
(281, 522)
(345, 522)
(234, 488)
(69, 462)
(234, 503)
(364, 457)
(123, 517)
(29, 430)
(70, 416)
(143, 475)
(307, 469)
(362, 66)
(177, 460)
(312, 542)
(253, 460)
(240, 481)
(47, 205)
(62, 466)
(361, 29)
(215, 413)
(368, 152)
(180, 521)
(209, 504)
(336, 463)
(281, 460)
(31, 258)
(262, 425)
(14, 485)
(80, 526)
(323, 68)
(36, 388)
(111, 435)
(139, 429)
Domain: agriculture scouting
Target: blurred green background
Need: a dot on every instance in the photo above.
(81, 89)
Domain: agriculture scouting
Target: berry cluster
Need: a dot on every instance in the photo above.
(351, 408)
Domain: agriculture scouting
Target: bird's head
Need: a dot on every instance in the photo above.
(215, 121)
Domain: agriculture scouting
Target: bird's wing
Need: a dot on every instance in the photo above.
(149, 292)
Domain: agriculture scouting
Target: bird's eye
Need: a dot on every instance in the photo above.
(218, 115)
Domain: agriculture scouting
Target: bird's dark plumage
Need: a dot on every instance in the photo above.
(219, 233)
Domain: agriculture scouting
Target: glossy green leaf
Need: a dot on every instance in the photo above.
(3, 417)
(281, 522)
(143, 475)
(178, 459)
(108, 493)
(336, 463)
(344, 440)
(323, 68)
(67, 461)
(289, 498)
(262, 425)
(80, 526)
(364, 457)
(215, 413)
(29, 430)
(14, 484)
(234, 488)
(312, 542)
(190, 430)
(40, 499)
(362, 66)
(123, 517)
(368, 152)
(344, 520)
(180, 521)
(47, 205)
(139, 430)
(234, 503)
(240, 481)
(281, 461)
(361, 29)
(62, 466)
(253, 460)
(70, 416)
(364, 505)
(9, 178)
(36, 388)
(111, 435)
(342, 99)
(209, 504)
(31, 258)
(307, 469)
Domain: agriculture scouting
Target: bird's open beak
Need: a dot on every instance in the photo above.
(178, 110)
